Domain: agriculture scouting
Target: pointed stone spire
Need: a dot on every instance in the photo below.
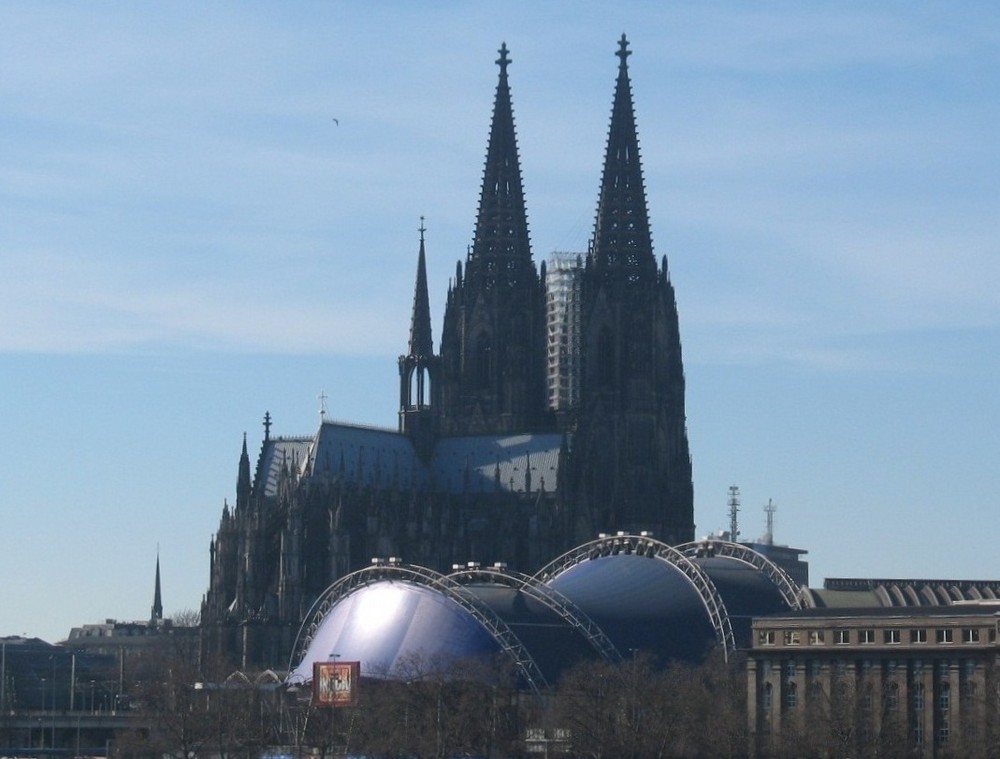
(623, 246)
(421, 340)
(501, 252)
(156, 614)
(243, 477)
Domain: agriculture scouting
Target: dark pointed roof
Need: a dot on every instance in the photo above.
(501, 250)
(622, 240)
(243, 478)
(421, 340)
(157, 610)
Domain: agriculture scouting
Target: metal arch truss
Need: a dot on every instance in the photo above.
(789, 590)
(548, 597)
(644, 545)
(502, 634)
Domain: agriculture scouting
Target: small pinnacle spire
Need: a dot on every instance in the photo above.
(267, 425)
(243, 476)
(421, 339)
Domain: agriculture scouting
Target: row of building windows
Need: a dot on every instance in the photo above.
(891, 696)
(868, 636)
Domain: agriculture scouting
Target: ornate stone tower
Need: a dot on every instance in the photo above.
(630, 464)
(419, 394)
(493, 370)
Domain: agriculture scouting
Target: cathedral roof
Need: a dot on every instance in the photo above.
(276, 453)
(382, 458)
(366, 455)
(527, 463)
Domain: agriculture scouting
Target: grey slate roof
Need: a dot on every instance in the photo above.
(386, 459)
(488, 463)
(288, 451)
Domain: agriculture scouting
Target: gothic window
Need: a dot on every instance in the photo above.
(484, 360)
(419, 388)
(605, 359)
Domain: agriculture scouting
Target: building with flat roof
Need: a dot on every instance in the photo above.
(920, 680)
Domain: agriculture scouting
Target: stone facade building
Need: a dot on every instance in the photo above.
(481, 467)
(895, 680)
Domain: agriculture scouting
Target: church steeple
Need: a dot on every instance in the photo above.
(156, 614)
(421, 340)
(631, 414)
(418, 368)
(493, 359)
(623, 247)
(501, 252)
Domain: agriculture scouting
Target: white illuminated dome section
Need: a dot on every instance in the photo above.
(391, 625)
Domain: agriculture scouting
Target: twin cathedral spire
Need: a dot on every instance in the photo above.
(482, 468)
(626, 462)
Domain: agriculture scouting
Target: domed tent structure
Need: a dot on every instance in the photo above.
(607, 598)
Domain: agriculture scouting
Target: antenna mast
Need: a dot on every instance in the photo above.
(734, 510)
(769, 510)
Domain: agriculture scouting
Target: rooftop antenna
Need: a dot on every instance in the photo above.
(769, 510)
(734, 510)
(322, 405)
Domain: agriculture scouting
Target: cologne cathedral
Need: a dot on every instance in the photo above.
(552, 412)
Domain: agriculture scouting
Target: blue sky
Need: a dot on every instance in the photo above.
(188, 239)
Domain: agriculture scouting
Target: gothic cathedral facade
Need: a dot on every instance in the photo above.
(487, 463)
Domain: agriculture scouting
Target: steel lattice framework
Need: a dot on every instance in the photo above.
(549, 597)
(647, 546)
(789, 590)
(408, 573)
